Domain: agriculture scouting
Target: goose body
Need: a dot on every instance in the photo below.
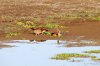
(38, 31)
(56, 32)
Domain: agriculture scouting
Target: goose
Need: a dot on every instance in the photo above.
(39, 31)
(56, 32)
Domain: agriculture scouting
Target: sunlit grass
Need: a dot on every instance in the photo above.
(68, 56)
(93, 51)
(27, 24)
(51, 25)
(85, 14)
(47, 33)
(12, 34)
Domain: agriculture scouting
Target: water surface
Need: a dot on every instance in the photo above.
(39, 53)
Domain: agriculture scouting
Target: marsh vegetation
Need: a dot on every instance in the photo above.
(49, 32)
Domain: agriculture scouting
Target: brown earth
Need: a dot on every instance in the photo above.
(87, 29)
(10, 10)
(13, 10)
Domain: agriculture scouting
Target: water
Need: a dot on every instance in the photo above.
(39, 53)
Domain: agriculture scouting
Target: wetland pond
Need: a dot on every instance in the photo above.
(40, 52)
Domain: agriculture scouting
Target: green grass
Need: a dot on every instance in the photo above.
(93, 51)
(51, 25)
(12, 34)
(68, 56)
(97, 18)
(96, 59)
(27, 24)
(51, 21)
(47, 33)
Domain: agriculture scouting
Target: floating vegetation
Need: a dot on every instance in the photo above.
(93, 51)
(68, 56)
(96, 59)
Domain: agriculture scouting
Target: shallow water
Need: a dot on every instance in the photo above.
(39, 53)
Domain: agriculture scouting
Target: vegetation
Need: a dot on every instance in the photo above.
(96, 59)
(47, 33)
(27, 24)
(30, 13)
(69, 56)
(51, 25)
(12, 34)
(66, 56)
(93, 51)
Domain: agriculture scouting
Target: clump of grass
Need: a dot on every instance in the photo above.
(36, 19)
(66, 56)
(62, 56)
(27, 24)
(47, 33)
(6, 18)
(93, 51)
(63, 16)
(89, 42)
(12, 34)
(96, 59)
(84, 14)
(51, 25)
(97, 18)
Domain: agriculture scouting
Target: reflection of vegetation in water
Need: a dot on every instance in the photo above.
(12, 34)
(93, 51)
(5, 46)
(66, 56)
(37, 40)
(81, 43)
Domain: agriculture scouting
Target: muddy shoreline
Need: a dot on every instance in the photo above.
(90, 30)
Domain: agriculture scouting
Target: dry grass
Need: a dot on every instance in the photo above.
(35, 8)
(44, 11)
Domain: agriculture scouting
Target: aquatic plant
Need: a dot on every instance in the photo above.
(96, 59)
(68, 56)
(93, 51)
